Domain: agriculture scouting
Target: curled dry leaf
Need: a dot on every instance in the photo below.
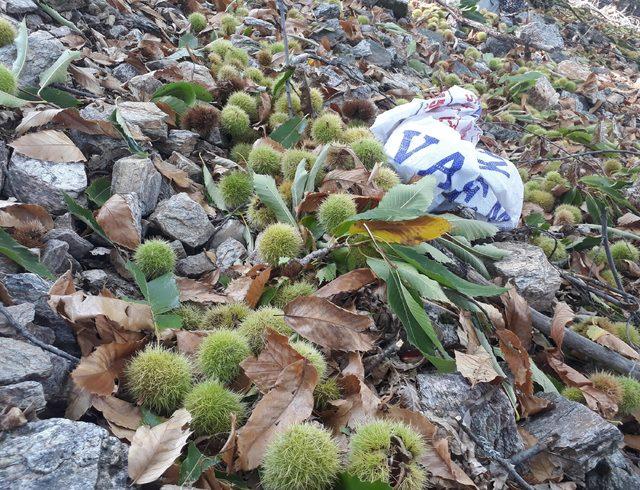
(596, 400)
(347, 283)
(154, 449)
(50, 145)
(518, 316)
(63, 285)
(476, 367)
(265, 369)
(198, 292)
(228, 451)
(328, 325)
(14, 213)
(118, 222)
(12, 419)
(359, 404)
(290, 401)
(188, 341)
(249, 288)
(520, 365)
(610, 341)
(562, 315)
(311, 202)
(118, 412)
(98, 372)
(79, 401)
(179, 177)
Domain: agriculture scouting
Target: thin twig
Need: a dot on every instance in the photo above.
(583, 154)
(34, 340)
(285, 40)
(316, 254)
(613, 231)
(492, 453)
(607, 249)
(534, 450)
(592, 289)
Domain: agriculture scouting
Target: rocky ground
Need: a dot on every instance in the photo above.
(131, 122)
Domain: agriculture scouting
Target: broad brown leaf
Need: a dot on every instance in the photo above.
(562, 315)
(249, 288)
(51, 145)
(347, 283)
(179, 177)
(119, 412)
(97, 372)
(610, 341)
(265, 369)
(359, 404)
(290, 401)
(154, 449)
(311, 202)
(328, 325)
(518, 316)
(198, 292)
(476, 367)
(15, 213)
(188, 341)
(117, 220)
(407, 232)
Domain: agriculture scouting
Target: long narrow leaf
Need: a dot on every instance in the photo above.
(299, 183)
(267, 191)
(21, 255)
(318, 164)
(22, 44)
(212, 190)
(84, 215)
(58, 71)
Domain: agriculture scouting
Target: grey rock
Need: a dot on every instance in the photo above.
(490, 5)
(54, 256)
(177, 247)
(498, 47)
(179, 140)
(584, 438)
(633, 193)
(23, 313)
(326, 11)
(8, 266)
(542, 95)
(42, 182)
(194, 265)
(181, 218)
(231, 228)
(183, 163)
(197, 73)
(229, 253)
(143, 86)
(68, 5)
(449, 396)
(135, 206)
(101, 151)
(78, 246)
(615, 472)
(139, 175)
(44, 50)
(534, 277)
(331, 29)
(398, 7)
(62, 454)
(4, 159)
(125, 72)
(119, 31)
(94, 279)
(28, 396)
(151, 121)
(64, 222)
(546, 35)
(374, 53)
(445, 326)
(20, 6)
(262, 26)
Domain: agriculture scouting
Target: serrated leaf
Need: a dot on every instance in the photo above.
(278, 86)
(350, 482)
(491, 251)
(99, 191)
(194, 464)
(163, 294)
(176, 104)
(21, 255)
(266, 189)
(57, 72)
(289, 133)
(418, 195)
(188, 92)
(149, 418)
(121, 126)
(425, 287)
(213, 192)
(464, 253)
(425, 248)
(471, 229)
(299, 182)
(327, 273)
(170, 320)
(188, 40)
(59, 97)
(317, 165)
(11, 101)
(22, 44)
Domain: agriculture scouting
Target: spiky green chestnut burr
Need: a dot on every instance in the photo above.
(191, 315)
(240, 153)
(555, 250)
(254, 326)
(228, 316)
(211, 406)
(568, 214)
(279, 241)
(159, 379)
(542, 198)
(245, 102)
(198, 22)
(325, 391)
(609, 384)
(8, 81)
(289, 292)
(313, 355)
(369, 151)
(155, 258)
(236, 188)
(327, 128)
(304, 456)
(234, 121)
(265, 160)
(334, 210)
(7, 33)
(386, 179)
(259, 216)
(291, 159)
(573, 394)
(630, 395)
(221, 353)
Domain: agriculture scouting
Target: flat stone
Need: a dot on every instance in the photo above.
(326, 11)
(331, 29)
(42, 182)
(143, 86)
(532, 274)
(584, 438)
(28, 396)
(183, 163)
(68, 5)
(23, 313)
(229, 253)
(262, 26)
(573, 70)
(398, 7)
(542, 95)
(54, 256)
(44, 50)
(231, 228)
(21, 6)
(177, 247)
(147, 116)
(4, 159)
(124, 72)
(197, 73)
(449, 396)
(179, 140)
(139, 175)
(94, 279)
(78, 246)
(546, 35)
(374, 53)
(62, 454)
(615, 472)
(181, 218)
(194, 265)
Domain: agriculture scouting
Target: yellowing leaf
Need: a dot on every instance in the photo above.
(406, 232)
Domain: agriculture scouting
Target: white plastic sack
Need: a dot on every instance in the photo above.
(438, 137)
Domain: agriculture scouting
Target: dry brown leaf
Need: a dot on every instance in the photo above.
(596, 400)
(249, 288)
(518, 316)
(476, 367)
(359, 404)
(12, 419)
(562, 315)
(541, 466)
(118, 412)
(63, 285)
(289, 402)
(78, 402)
(347, 283)
(264, 108)
(179, 177)
(407, 232)
(265, 369)
(632, 441)
(228, 451)
(310, 202)
(98, 372)
(14, 213)
(154, 449)
(629, 221)
(188, 341)
(328, 325)
(354, 365)
(117, 220)
(518, 360)
(50, 145)
(198, 292)
(610, 341)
